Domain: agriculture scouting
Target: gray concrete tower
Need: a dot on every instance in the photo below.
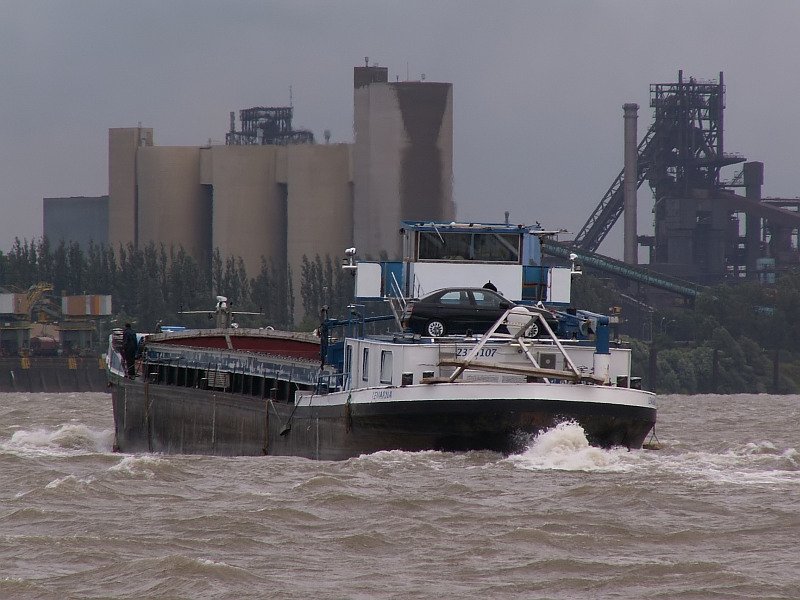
(402, 157)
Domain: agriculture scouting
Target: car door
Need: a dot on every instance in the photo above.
(455, 310)
(489, 307)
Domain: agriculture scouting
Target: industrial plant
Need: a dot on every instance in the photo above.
(705, 232)
(272, 193)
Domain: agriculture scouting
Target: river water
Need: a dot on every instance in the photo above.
(714, 514)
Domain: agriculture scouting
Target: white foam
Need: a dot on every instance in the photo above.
(763, 447)
(761, 463)
(565, 448)
(68, 440)
(69, 480)
(207, 562)
(140, 465)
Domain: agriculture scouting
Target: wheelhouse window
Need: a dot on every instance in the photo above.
(365, 365)
(348, 358)
(478, 247)
(496, 247)
(386, 366)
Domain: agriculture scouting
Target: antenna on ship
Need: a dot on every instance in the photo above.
(349, 263)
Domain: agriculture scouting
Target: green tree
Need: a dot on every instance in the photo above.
(76, 269)
(46, 267)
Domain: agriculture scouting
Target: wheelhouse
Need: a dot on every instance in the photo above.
(444, 255)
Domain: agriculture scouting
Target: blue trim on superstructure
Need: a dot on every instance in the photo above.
(534, 283)
(474, 227)
(392, 271)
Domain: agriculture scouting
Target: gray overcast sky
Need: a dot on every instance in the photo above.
(538, 86)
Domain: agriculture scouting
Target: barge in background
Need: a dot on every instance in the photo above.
(53, 374)
(235, 391)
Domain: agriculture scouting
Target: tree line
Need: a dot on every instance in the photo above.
(737, 338)
(154, 284)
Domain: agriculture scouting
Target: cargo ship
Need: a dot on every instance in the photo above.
(339, 393)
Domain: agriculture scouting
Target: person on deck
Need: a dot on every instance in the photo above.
(129, 349)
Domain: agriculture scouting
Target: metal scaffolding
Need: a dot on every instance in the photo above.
(688, 119)
(262, 126)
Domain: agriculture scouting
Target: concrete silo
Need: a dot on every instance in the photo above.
(123, 146)
(402, 157)
(320, 205)
(248, 205)
(173, 208)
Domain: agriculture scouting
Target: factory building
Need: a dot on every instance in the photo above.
(271, 193)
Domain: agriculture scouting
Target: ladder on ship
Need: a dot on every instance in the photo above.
(397, 302)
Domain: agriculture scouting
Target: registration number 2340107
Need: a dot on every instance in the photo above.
(482, 353)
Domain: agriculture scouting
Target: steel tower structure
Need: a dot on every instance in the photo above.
(681, 151)
(704, 232)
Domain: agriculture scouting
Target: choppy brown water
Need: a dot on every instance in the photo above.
(715, 514)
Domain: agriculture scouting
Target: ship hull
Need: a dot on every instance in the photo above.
(341, 425)
(53, 374)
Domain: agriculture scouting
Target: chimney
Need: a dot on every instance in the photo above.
(630, 183)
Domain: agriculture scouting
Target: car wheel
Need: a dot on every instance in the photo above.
(435, 328)
(533, 331)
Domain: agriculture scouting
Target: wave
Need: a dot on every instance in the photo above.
(168, 576)
(565, 448)
(754, 463)
(403, 461)
(70, 482)
(140, 465)
(70, 439)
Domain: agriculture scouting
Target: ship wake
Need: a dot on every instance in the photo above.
(565, 448)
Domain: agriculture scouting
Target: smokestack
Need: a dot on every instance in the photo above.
(630, 183)
(753, 174)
